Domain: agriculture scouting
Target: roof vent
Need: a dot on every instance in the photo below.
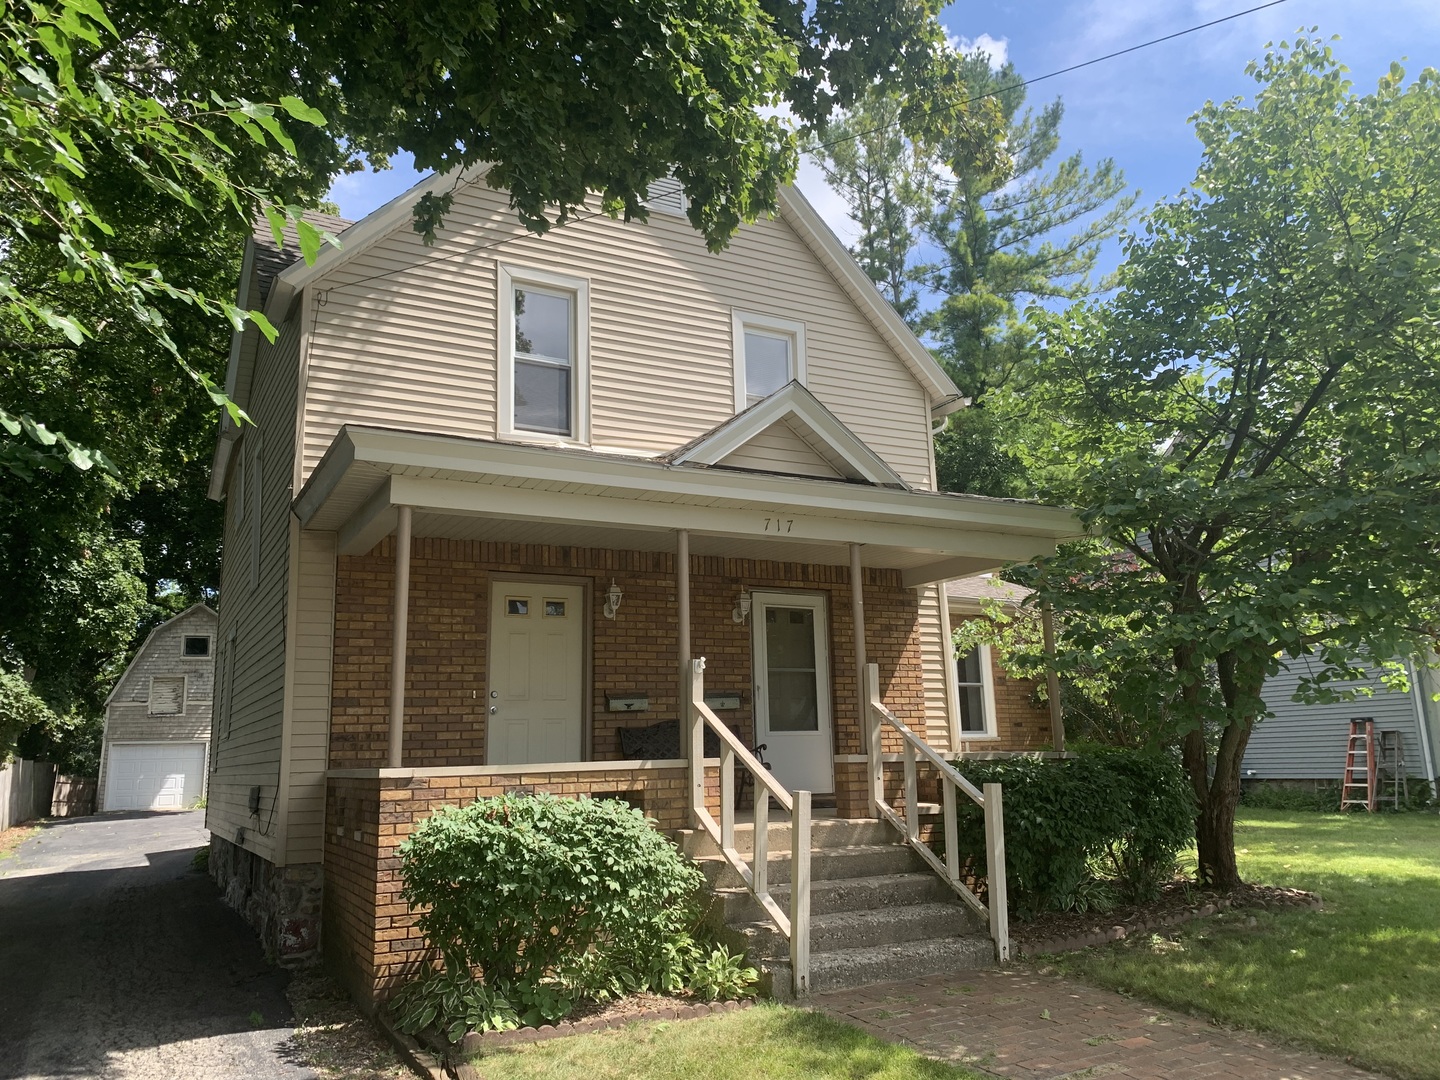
(666, 195)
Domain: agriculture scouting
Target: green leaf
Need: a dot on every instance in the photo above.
(300, 111)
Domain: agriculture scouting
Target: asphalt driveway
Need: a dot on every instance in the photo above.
(117, 959)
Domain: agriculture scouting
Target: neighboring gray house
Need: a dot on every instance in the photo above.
(1308, 742)
(157, 719)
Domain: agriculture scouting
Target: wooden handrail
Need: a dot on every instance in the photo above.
(996, 915)
(763, 776)
(795, 924)
(929, 753)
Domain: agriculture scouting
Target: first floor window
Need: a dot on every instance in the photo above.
(976, 695)
(543, 351)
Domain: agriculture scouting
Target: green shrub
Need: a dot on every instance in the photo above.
(1084, 832)
(722, 976)
(547, 899)
(453, 1003)
(1263, 796)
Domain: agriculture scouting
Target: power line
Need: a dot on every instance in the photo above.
(1064, 70)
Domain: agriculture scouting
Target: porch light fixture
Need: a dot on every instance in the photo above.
(613, 596)
(742, 607)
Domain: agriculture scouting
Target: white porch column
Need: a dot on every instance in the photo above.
(692, 731)
(399, 644)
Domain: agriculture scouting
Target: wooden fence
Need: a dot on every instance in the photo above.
(74, 796)
(25, 789)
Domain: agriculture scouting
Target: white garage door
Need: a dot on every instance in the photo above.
(154, 776)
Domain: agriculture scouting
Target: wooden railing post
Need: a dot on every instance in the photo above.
(912, 795)
(876, 765)
(995, 871)
(727, 797)
(952, 835)
(761, 872)
(697, 741)
(800, 893)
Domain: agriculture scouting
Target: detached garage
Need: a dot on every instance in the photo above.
(157, 719)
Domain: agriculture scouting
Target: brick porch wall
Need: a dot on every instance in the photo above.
(370, 939)
(632, 654)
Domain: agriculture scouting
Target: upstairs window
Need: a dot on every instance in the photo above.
(769, 353)
(195, 646)
(167, 695)
(542, 355)
(975, 688)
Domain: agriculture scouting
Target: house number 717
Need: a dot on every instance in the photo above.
(779, 524)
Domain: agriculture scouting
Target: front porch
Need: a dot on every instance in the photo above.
(506, 618)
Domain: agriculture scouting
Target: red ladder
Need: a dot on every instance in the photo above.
(1360, 766)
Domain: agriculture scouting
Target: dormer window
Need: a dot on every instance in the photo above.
(543, 355)
(769, 353)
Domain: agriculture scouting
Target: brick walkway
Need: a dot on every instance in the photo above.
(1021, 1024)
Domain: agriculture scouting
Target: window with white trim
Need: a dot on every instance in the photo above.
(769, 353)
(975, 689)
(544, 354)
(167, 695)
(195, 646)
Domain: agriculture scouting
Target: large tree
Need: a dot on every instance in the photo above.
(961, 244)
(1253, 421)
(140, 144)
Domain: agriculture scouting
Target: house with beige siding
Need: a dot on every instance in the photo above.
(158, 719)
(595, 512)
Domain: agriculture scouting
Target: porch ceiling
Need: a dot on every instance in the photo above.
(483, 490)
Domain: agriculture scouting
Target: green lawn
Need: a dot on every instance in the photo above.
(1360, 979)
(768, 1042)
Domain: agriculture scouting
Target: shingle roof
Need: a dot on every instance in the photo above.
(271, 260)
(986, 588)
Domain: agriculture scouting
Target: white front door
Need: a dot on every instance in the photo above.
(792, 688)
(535, 701)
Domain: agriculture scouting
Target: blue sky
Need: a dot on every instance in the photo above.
(1133, 108)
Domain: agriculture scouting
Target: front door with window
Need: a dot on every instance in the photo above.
(792, 688)
(535, 701)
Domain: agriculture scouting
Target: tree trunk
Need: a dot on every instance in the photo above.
(1215, 838)
(1215, 817)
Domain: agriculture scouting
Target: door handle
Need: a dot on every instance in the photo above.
(494, 709)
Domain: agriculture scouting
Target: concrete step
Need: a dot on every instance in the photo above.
(825, 865)
(849, 968)
(825, 833)
(842, 894)
(849, 930)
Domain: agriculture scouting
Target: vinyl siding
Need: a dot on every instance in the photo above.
(405, 335)
(250, 670)
(127, 714)
(933, 658)
(309, 732)
(1307, 742)
(779, 449)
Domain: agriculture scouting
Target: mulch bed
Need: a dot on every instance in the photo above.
(1057, 932)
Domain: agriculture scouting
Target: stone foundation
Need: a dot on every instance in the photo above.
(282, 903)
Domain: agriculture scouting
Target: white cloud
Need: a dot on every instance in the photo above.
(997, 49)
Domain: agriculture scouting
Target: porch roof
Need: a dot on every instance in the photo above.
(479, 489)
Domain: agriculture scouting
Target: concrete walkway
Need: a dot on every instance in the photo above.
(118, 961)
(1018, 1023)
